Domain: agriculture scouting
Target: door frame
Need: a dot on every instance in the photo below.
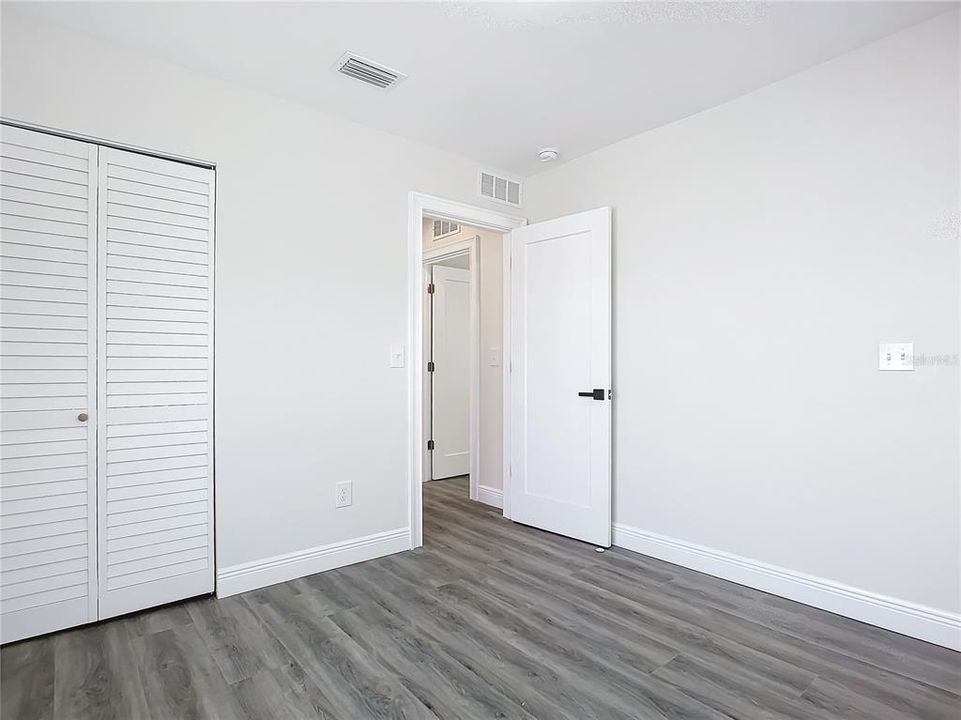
(470, 249)
(419, 205)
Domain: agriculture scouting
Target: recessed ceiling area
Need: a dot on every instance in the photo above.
(498, 81)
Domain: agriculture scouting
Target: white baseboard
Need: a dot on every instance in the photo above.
(280, 568)
(490, 496)
(925, 623)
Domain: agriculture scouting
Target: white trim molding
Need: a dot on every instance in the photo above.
(281, 568)
(490, 496)
(901, 616)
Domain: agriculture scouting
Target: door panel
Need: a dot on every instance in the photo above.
(156, 382)
(560, 347)
(450, 396)
(47, 379)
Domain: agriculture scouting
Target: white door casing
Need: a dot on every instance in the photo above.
(48, 263)
(450, 395)
(560, 446)
(155, 494)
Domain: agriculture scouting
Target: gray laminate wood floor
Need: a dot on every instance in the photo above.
(488, 620)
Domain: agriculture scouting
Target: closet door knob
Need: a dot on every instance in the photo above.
(82, 417)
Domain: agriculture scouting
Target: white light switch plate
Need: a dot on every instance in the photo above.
(494, 356)
(896, 356)
(397, 353)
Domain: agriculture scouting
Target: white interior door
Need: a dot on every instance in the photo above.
(560, 409)
(48, 260)
(156, 381)
(450, 395)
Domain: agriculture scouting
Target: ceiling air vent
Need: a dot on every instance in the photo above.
(368, 71)
(497, 186)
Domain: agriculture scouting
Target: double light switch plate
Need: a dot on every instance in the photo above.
(896, 356)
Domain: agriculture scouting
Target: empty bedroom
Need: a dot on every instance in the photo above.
(533, 360)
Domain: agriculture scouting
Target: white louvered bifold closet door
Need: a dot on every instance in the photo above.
(156, 381)
(48, 570)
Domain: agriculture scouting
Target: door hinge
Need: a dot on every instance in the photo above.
(430, 289)
(430, 366)
(430, 444)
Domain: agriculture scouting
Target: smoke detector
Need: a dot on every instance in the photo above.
(547, 155)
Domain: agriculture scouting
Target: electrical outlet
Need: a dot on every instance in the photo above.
(344, 494)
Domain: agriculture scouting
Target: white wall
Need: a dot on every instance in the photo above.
(304, 394)
(762, 250)
(491, 274)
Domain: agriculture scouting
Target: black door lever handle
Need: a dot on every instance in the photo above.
(597, 394)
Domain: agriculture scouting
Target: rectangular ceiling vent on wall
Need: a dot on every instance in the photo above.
(368, 71)
(496, 186)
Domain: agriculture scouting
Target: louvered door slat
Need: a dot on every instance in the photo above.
(155, 379)
(48, 215)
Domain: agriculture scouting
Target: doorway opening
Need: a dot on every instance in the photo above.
(458, 339)
(462, 350)
(451, 412)
(555, 332)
